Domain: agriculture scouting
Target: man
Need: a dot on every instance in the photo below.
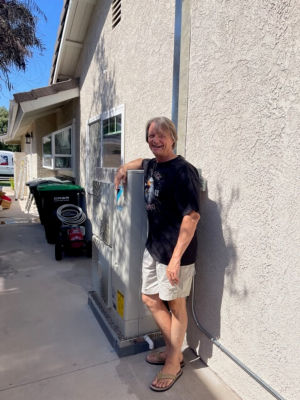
(172, 201)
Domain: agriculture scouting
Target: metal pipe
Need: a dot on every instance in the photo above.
(149, 341)
(230, 355)
(181, 61)
(176, 60)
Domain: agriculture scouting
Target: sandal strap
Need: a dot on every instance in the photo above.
(160, 375)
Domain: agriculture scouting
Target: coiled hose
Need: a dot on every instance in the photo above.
(70, 214)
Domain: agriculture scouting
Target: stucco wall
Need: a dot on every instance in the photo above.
(131, 65)
(243, 131)
(243, 118)
(43, 126)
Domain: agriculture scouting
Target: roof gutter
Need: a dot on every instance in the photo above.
(66, 22)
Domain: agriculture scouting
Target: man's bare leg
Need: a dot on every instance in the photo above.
(173, 327)
(161, 316)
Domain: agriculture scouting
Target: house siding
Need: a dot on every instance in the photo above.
(44, 126)
(131, 65)
(243, 131)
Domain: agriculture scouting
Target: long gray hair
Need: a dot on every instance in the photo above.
(163, 124)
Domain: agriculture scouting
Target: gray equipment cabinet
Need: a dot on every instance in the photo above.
(119, 237)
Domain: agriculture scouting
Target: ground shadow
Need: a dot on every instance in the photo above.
(195, 382)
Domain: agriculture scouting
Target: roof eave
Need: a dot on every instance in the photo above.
(70, 34)
(28, 106)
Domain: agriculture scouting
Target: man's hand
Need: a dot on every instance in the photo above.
(186, 233)
(173, 271)
(121, 174)
(120, 177)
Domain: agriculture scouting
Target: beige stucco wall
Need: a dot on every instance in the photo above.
(243, 118)
(20, 175)
(130, 65)
(243, 131)
(61, 117)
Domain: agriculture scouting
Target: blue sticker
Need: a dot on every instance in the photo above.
(120, 192)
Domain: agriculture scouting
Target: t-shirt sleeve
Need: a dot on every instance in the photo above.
(145, 163)
(187, 193)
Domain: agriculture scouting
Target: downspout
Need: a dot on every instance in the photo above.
(181, 61)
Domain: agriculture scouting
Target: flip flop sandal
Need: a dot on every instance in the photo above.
(161, 376)
(159, 360)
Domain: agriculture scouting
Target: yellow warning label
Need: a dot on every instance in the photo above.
(120, 303)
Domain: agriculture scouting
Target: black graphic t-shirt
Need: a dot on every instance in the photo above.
(172, 190)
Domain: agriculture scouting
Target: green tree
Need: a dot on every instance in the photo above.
(3, 131)
(3, 120)
(18, 24)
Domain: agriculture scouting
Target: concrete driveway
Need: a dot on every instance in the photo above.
(51, 346)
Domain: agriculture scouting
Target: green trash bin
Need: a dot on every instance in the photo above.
(42, 181)
(53, 196)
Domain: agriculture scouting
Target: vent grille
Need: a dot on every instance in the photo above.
(116, 13)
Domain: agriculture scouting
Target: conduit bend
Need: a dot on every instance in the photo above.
(230, 355)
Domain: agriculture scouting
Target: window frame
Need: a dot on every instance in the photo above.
(53, 155)
(100, 118)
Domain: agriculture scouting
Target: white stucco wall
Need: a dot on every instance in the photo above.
(45, 125)
(130, 65)
(243, 131)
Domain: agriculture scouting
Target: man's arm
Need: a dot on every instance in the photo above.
(186, 233)
(122, 171)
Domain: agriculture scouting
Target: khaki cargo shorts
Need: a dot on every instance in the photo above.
(155, 281)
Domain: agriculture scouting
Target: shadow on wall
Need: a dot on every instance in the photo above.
(98, 62)
(216, 259)
(104, 95)
(104, 87)
(97, 69)
(103, 99)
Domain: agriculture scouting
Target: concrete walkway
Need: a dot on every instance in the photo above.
(51, 346)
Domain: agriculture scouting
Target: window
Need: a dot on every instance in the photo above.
(112, 137)
(105, 142)
(111, 141)
(3, 160)
(57, 149)
(47, 151)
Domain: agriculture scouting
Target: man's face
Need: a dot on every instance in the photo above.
(160, 143)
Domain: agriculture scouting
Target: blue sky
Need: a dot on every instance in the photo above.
(38, 70)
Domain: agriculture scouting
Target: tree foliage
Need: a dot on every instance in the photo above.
(3, 120)
(3, 131)
(18, 24)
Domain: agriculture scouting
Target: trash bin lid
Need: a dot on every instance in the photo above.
(54, 187)
(50, 179)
